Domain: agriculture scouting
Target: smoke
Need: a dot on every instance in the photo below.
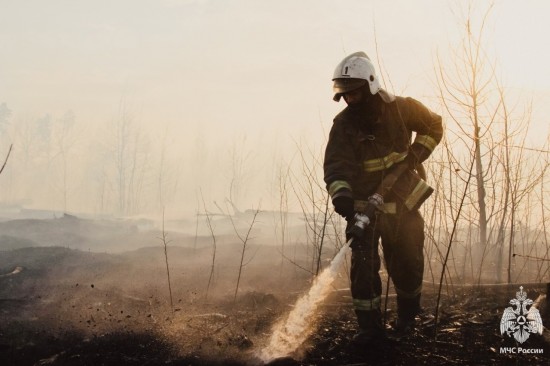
(289, 334)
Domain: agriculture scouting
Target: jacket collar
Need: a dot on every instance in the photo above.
(386, 96)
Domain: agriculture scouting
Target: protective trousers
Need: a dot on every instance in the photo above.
(402, 236)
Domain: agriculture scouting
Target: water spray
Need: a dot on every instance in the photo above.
(290, 332)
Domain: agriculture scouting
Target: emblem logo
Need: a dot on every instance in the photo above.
(519, 321)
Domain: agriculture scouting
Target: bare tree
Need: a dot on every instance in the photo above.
(464, 91)
(165, 242)
(167, 181)
(244, 241)
(5, 114)
(211, 228)
(281, 220)
(506, 172)
(239, 175)
(6, 159)
(130, 158)
(313, 200)
(456, 218)
(65, 138)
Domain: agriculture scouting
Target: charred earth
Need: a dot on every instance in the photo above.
(68, 298)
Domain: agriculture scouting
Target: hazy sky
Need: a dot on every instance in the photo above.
(223, 69)
(237, 62)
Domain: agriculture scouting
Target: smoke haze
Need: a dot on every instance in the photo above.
(158, 101)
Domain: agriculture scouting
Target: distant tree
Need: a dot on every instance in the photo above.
(167, 171)
(130, 152)
(244, 240)
(65, 138)
(240, 175)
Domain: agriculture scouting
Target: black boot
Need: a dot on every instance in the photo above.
(407, 310)
(371, 329)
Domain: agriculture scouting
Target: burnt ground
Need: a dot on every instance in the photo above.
(77, 307)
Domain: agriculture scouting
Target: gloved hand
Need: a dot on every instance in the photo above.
(357, 230)
(362, 220)
(343, 205)
(375, 202)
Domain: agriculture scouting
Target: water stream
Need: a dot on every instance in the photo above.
(290, 332)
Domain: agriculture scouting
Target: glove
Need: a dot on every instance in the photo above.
(357, 230)
(362, 220)
(374, 203)
(343, 204)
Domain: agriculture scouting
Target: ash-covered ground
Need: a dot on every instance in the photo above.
(95, 292)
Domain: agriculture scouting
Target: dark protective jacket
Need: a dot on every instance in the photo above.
(365, 144)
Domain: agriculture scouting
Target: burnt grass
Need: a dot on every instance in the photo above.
(468, 334)
(76, 307)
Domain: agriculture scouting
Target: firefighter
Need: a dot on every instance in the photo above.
(372, 166)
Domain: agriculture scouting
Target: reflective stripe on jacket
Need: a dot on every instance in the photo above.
(361, 149)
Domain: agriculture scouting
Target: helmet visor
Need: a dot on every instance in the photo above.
(342, 86)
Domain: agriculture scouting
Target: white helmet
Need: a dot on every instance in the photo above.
(353, 72)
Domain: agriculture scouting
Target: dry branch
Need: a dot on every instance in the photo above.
(6, 160)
